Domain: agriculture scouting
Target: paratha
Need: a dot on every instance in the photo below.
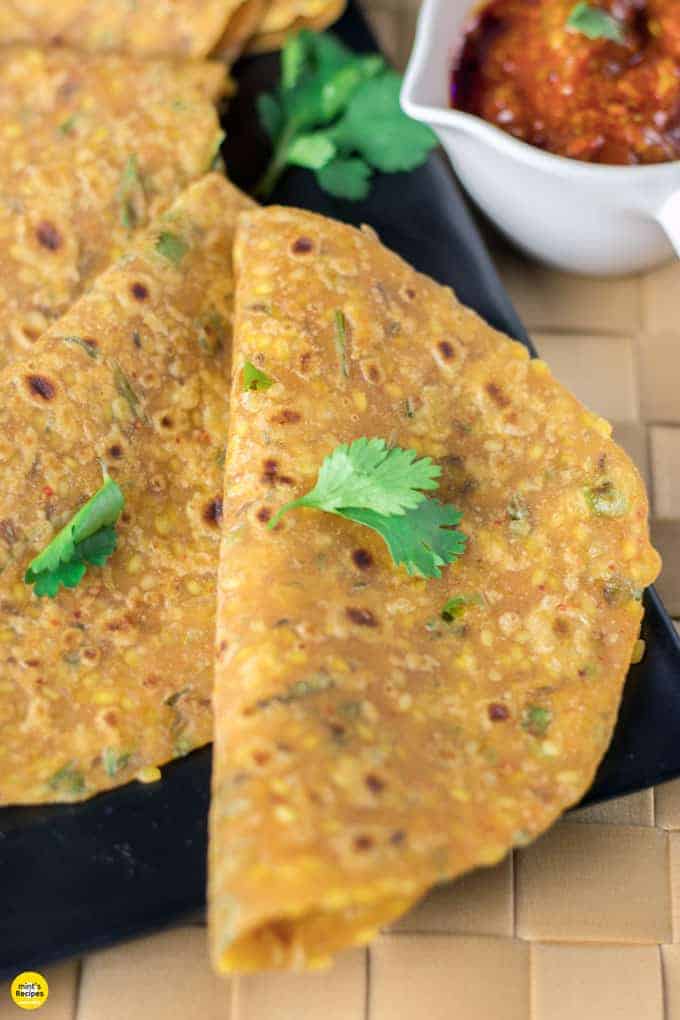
(93, 147)
(284, 17)
(240, 29)
(367, 743)
(111, 679)
(154, 28)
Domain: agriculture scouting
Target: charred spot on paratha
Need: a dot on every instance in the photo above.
(286, 417)
(213, 511)
(302, 246)
(48, 236)
(41, 386)
(270, 473)
(362, 617)
(497, 395)
(362, 559)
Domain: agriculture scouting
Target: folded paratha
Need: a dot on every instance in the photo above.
(284, 17)
(368, 743)
(152, 28)
(240, 29)
(106, 681)
(93, 148)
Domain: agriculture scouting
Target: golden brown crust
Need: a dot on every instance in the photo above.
(154, 28)
(366, 748)
(240, 29)
(285, 17)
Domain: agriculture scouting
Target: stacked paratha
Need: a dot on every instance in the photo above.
(112, 678)
(162, 28)
(93, 149)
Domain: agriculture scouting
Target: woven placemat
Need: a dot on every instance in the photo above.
(585, 924)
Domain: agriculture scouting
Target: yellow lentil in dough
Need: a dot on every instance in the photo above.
(342, 793)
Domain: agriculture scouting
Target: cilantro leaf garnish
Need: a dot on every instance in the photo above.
(270, 114)
(595, 23)
(382, 488)
(423, 539)
(312, 152)
(346, 178)
(88, 538)
(254, 379)
(171, 246)
(375, 126)
(371, 475)
(337, 113)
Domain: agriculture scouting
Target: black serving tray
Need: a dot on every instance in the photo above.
(76, 877)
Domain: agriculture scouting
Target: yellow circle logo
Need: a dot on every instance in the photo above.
(29, 990)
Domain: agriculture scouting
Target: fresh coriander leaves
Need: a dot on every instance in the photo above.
(375, 126)
(382, 488)
(254, 379)
(337, 113)
(312, 152)
(595, 23)
(88, 538)
(369, 474)
(346, 178)
(423, 539)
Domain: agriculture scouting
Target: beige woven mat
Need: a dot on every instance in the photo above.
(584, 925)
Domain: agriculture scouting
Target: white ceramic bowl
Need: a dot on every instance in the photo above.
(583, 217)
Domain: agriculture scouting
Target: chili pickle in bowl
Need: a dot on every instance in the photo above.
(562, 120)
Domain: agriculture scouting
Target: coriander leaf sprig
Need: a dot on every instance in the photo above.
(423, 539)
(337, 113)
(382, 488)
(88, 538)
